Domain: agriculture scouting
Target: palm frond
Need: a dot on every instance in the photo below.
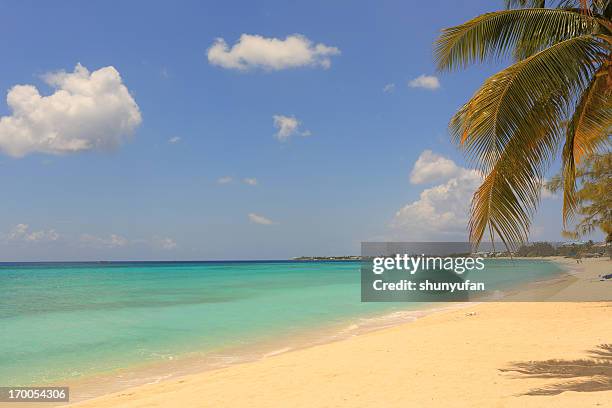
(587, 130)
(592, 4)
(556, 75)
(511, 191)
(493, 35)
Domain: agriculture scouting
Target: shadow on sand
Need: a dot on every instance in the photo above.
(584, 375)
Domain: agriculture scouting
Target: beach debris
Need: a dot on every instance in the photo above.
(471, 314)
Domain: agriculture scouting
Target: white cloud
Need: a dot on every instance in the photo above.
(255, 51)
(174, 139)
(22, 233)
(250, 181)
(431, 167)
(112, 241)
(425, 81)
(224, 180)
(441, 211)
(117, 241)
(87, 111)
(260, 219)
(388, 88)
(288, 126)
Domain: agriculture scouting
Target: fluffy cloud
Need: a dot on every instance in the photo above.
(441, 211)
(87, 111)
(389, 88)
(260, 219)
(255, 51)
(431, 167)
(224, 180)
(174, 140)
(250, 181)
(22, 233)
(425, 81)
(288, 126)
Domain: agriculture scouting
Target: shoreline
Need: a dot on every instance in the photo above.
(88, 387)
(100, 385)
(186, 385)
(139, 374)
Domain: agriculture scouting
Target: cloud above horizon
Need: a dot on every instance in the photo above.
(87, 111)
(250, 181)
(441, 211)
(270, 54)
(112, 241)
(225, 180)
(431, 167)
(174, 140)
(260, 219)
(288, 126)
(429, 82)
(388, 88)
(22, 233)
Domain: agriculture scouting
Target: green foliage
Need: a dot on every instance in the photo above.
(593, 196)
(537, 249)
(556, 94)
(569, 250)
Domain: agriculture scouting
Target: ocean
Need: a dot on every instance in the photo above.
(60, 322)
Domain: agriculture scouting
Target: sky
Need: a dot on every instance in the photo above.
(231, 130)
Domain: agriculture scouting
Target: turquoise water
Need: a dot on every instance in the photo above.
(62, 321)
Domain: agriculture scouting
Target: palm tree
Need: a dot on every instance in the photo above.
(556, 93)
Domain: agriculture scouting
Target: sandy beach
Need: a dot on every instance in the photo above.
(487, 355)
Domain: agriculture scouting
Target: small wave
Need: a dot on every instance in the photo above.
(276, 352)
(159, 378)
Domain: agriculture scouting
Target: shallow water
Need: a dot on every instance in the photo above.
(62, 321)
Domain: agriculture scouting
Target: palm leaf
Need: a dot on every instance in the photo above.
(587, 130)
(492, 35)
(486, 124)
(594, 4)
(511, 191)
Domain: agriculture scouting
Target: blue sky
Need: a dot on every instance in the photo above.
(338, 179)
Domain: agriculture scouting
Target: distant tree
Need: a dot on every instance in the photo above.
(537, 249)
(593, 196)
